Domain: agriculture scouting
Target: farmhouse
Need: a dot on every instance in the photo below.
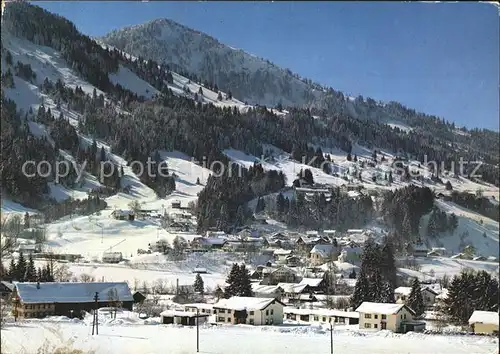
(402, 294)
(208, 243)
(351, 255)
(270, 291)
(251, 310)
(68, 299)
(123, 214)
(394, 317)
(323, 253)
(112, 257)
(182, 317)
(485, 322)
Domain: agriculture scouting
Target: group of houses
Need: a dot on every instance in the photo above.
(38, 300)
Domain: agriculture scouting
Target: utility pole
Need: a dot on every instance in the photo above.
(197, 330)
(331, 336)
(95, 320)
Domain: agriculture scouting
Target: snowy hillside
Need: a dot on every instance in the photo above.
(203, 55)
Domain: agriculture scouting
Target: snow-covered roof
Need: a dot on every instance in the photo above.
(420, 247)
(178, 313)
(355, 231)
(312, 232)
(488, 317)
(292, 288)
(321, 312)
(264, 289)
(282, 252)
(70, 292)
(211, 240)
(443, 295)
(323, 250)
(384, 309)
(329, 231)
(403, 290)
(311, 281)
(200, 306)
(244, 303)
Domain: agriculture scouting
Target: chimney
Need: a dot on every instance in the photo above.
(38, 285)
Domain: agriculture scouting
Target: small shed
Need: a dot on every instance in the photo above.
(139, 297)
(184, 318)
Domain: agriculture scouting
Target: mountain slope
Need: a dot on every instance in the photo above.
(258, 81)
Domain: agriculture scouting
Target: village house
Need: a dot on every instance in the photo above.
(123, 214)
(394, 317)
(402, 294)
(112, 257)
(30, 248)
(316, 285)
(330, 234)
(292, 260)
(34, 300)
(281, 274)
(322, 316)
(280, 255)
(485, 322)
(305, 244)
(201, 307)
(249, 310)
(419, 250)
(272, 291)
(292, 291)
(207, 243)
(323, 253)
(183, 318)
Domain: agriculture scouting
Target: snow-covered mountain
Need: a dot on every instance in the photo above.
(250, 78)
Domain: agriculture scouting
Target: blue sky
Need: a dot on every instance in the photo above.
(440, 59)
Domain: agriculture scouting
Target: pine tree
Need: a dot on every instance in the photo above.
(245, 282)
(361, 291)
(388, 263)
(387, 293)
(415, 300)
(198, 284)
(233, 281)
(375, 285)
(12, 271)
(31, 270)
(349, 157)
(26, 220)
(21, 268)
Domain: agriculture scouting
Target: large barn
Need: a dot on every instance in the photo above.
(35, 300)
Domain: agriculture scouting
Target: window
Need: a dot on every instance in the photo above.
(403, 297)
(267, 312)
(221, 319)
(316, 318)
(376, 316)
(267, 321)
(229, 311)
(324, 319)
(272, 312)
(368, 325)
(270, 321)
(229, 319)
(375, 325)
(251, 321)
(401, 316)
(404, 316)
(222, 311)
(202, 310)
(251, 313)
(384, 317)
(368, 315)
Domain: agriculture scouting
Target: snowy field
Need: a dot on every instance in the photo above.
(130, 335)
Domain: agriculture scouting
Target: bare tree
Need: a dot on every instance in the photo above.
(114, 300)
(87, 278)
(61, 272)
(12, 228)
(4, 311)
